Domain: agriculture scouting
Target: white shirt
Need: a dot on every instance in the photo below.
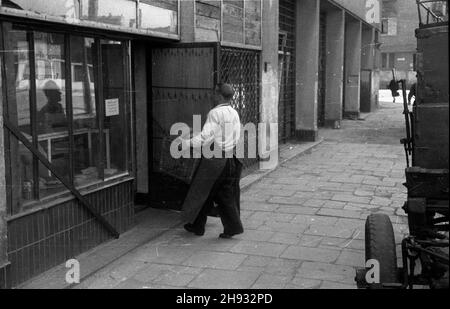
(222, 127)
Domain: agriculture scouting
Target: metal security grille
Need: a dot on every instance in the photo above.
(286, 106)
(241, 69)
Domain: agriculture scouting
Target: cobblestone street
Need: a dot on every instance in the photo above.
(304, 221)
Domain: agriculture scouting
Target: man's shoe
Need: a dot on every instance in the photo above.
(226, 236)
(190, 228)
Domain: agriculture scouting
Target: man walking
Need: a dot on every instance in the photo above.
(217, 178)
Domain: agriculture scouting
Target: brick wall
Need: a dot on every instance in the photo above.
(407, 22)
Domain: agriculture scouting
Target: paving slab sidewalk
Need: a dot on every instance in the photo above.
(304, 221)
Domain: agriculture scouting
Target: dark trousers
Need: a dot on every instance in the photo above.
(226, 194)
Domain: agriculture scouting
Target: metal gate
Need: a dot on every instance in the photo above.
(241, 69)
(182, 81)
(286, 105)
(322, 71)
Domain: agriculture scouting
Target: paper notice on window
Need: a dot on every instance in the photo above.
(111, 107)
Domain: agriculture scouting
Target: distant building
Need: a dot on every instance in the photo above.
(399, 21)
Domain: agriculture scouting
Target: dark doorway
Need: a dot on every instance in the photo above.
(182, 78)
(286, 64)
(322, 70)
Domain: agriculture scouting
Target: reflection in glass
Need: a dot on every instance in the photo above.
(157, 19)
(60, 8)
(115, 107)
(22, 176)
(51, 118)
(25, 174)
(117, 12)
(85, 124)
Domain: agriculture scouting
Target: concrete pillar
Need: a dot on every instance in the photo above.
(368, 87)
(4, 264)
(335, 33)
(352, 68)
(367, 48)
(269, 86)
(307, 69)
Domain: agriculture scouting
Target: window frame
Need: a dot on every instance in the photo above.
(388, 60)
(388, 30)
(137, 30)
(18, 207)
(384, 26)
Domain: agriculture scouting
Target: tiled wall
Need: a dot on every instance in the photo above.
(49, 237)
(5, 271)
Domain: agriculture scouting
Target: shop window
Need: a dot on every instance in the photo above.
(241, 21)
(60, 8)
(114, 107)
(21, 162)
(51, 109)
(77, 120)
(253, 22)
(86, 152)
(117, 12)
(158, 18)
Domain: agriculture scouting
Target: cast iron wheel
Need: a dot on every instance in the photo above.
(380, 245)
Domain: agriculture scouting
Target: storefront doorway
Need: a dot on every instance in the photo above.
(181, 78)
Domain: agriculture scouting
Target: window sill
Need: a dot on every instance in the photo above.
(65, 196)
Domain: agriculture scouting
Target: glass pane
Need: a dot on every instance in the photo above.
(60, 8)
(391, 60)
(253, 22)
(384, 61)
(18, 83)
(85, 123)
(233, 21)
(51, 118)
(117, 12)
(157, 19)
(24, 175)
(115, 107)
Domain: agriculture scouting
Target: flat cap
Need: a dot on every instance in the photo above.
(226, 90)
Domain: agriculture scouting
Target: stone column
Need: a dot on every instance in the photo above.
(352, 68)
(368, 60)
(335, 33)
(269, 85)
(307, 69)
(367, 48)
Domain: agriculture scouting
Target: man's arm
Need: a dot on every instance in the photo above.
(206, 137)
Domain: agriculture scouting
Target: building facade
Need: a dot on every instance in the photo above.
(90, 89)
(399, 44)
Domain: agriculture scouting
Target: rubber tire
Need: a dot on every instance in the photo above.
(380, 245)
